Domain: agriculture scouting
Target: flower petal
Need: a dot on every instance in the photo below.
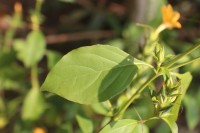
(170, 17)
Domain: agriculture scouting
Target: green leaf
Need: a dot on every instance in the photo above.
(20, 47)
(100, 108)
(33, 106)
(91, 74)
(121, 126)
(198, 96)
(85, 124)
(173, 126)
(170, 119)
(32, 50)
(3, 114)
(141, 128)
(13, 105)
(35, 47)
(163, 127)
(6, 58)
(10, 79)
(65, 128)
(53, 57)
(119, 43)
(185, 78)
(192, 111)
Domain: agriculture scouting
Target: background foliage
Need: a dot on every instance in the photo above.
(33, 38)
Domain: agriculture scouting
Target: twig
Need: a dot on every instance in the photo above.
(88, 35)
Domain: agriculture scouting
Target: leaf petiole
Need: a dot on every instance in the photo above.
(34, 77)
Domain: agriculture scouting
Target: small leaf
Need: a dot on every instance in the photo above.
(85, 124)
(53, 57)
(100, 108)
(192, 111)
(3, 114)
(20, 47)
(12, 105)
(35, 47)
(31, 50)
(10, 79)
(119, 43)
(121, 126)
(33, 106)
(91, 74)
(6, 58)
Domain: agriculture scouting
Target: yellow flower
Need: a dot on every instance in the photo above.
(39, 130)
(170, 20)
(170, 17)
(18, 7)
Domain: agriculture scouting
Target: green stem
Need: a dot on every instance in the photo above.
(36, 16)
(34, 77)
(133, 97)
(144, 26)
(15, 23)
(185, 63)
(169, 64)
(8, 38)
(38, 6)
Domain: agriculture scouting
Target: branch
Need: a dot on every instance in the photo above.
(87, 35)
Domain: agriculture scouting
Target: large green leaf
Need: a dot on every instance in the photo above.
(31, 50)
(121, 126)
(91, 74)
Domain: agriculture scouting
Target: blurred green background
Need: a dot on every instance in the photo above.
(69, 24)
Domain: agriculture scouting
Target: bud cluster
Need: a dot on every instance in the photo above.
(166, 97)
